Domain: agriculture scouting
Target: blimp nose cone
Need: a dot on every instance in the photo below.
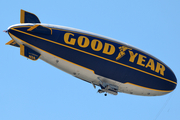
(173, 80)
(169, 80)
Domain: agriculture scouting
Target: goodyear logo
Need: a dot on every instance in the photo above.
(109, 49)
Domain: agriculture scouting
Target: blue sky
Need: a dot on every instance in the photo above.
(38, 91)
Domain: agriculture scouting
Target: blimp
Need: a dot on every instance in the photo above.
(114, 66)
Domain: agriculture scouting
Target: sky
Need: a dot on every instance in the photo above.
(35, 90)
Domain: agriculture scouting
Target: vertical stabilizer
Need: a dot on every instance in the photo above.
(27, 17)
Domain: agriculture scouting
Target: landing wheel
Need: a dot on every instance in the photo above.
(105, 94)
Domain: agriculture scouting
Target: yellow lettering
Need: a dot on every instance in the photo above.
(66, 39)
(83, 41)
(132, 56)
(96, 45)
(32, 57)
(160, 68)
(108, 49)
(150, 64)
(141, 59)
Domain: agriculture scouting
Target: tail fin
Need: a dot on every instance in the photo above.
(27, 17)
(13, 43)
(29, 53)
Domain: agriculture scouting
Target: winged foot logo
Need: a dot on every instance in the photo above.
(122, 52)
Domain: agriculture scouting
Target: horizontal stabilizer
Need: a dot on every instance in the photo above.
(29, 53)
(13, 43)
(27, 17)
(40, 29)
